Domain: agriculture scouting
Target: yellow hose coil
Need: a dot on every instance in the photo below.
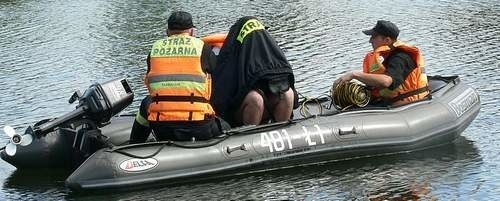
(347, 95)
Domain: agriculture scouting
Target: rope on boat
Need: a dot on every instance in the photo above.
(163, 145)
(137, 156)
(350, 94)
(305, 101)
(304, 109)
(217, 140)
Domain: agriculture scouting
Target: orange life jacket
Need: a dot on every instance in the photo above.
(216, 40)
(179, 89)
(413, 88)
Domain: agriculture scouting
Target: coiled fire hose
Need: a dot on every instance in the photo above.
(350, 94)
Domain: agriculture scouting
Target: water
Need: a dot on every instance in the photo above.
(51, 48)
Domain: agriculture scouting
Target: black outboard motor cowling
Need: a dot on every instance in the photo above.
(98, 103)
(103, 101)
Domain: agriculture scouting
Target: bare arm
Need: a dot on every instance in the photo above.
(374, 80)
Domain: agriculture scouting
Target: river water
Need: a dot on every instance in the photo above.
(49, 49)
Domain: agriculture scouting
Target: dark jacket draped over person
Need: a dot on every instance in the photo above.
(243, 63)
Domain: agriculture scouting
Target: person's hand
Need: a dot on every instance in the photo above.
(344, 78)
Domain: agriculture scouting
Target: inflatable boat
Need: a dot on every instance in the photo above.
(92, 140)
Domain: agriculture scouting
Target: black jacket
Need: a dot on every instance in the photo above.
(240, 66)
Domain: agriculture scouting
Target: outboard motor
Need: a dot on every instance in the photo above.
(99, 103)
(68, 140)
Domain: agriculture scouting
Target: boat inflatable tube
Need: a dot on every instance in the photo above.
(318, 133)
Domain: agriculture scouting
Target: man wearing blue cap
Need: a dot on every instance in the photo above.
(394, 71)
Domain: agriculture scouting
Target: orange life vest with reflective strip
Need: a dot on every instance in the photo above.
(414, 87)
(179, 89)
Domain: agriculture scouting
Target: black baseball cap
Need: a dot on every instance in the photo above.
(384, 28)
(180, 20)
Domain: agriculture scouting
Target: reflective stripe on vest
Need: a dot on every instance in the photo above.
(179, 88)
(415, 82)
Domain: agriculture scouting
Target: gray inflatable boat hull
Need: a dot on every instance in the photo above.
(321, 137)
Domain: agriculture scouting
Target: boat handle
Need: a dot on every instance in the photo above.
(241, 147)
(352, 131)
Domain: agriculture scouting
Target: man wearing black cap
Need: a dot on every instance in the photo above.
(393, 70)
(177, 107)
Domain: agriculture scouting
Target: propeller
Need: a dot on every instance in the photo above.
(16, 139)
